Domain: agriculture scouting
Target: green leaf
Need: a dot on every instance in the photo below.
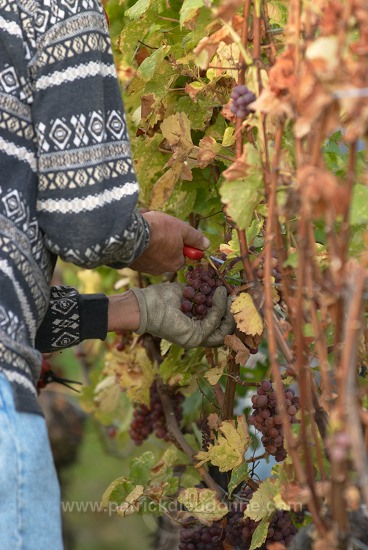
(359, 205)
(242, 196)
(138, 9)
(203, 504)
(199, 113)
(239, 474)
(140, 467)
(260, 534)
(150, 64)
(116, 491)
(189, 11)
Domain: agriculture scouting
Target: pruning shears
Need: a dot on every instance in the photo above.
(196, 254)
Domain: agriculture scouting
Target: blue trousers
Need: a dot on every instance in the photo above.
(30, 517)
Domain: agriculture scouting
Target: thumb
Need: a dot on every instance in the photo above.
(193, 237)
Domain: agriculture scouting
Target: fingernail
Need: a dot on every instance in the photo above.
(205, 242)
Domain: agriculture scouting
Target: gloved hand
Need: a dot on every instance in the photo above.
(161, 316)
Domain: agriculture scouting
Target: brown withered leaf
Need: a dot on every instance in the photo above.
(271, 103)
(295, 496)
(208, 147)
(324, 58)
(282, 76)
(147, 101)
(228, 9)
(207, 46)
(317, 187)
(237, 169)
(242, 352)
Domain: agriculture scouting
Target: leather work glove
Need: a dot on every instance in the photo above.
(161, 316)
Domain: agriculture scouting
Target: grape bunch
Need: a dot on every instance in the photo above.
(239, 530)
(147, 420)
(197, 295)
(196, 536)
(242, 97)
(265, 418)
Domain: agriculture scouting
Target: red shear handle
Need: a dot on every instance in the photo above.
(193, 253)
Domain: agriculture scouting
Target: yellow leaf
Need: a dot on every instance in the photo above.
(247, 318)
(213, 375)
(203, 504)
(164, 186)
(107, 394)
(228, 451)
(131, 504)
(134, 373)
(262, 504)
(91, 281)
(176, 129)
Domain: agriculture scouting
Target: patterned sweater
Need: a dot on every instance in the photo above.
(67, 185)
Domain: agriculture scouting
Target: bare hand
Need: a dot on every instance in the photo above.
(168, 235)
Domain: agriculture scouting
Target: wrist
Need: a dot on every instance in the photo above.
(123, 312)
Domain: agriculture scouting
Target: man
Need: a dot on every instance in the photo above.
(67, 188)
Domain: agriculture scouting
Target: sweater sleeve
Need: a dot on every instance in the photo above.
(71, 318)
(87, 190)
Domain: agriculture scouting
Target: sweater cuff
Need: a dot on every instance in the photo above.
(93, 311)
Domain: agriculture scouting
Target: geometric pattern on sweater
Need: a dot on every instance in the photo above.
(67, 182)
(64, 317)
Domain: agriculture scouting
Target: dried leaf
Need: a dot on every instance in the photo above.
(242, 352)
(247, 318)
(237, 169)
(165, 185)
(131, 504)
(176, 130)
(208, 148)
(323, 55)
(203, 504)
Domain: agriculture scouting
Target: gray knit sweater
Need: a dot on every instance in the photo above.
(67, 185)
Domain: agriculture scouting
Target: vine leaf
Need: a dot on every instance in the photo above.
(247, 318)
(242, 352)
(244, 190)
(176, 131)
(131, 503)
(189, 13)
(359, 205)
(134, 372)
(238, 475)
(202, 504)
(107, 394)
(213, 375)
(208, 148)
(164, 186)
(262, 504)
(260, 534)
(228, 451)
